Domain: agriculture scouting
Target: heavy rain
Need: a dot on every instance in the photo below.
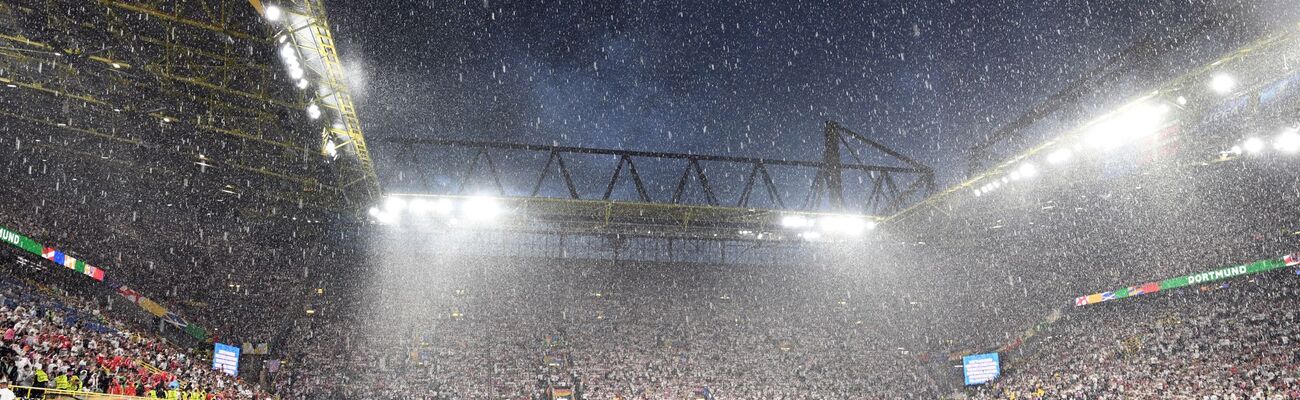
(649, 199)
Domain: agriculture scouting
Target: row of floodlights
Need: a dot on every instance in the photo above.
(1287, 142)
(836, 225)
(473, 209)
(292, 63)
(1129, 124)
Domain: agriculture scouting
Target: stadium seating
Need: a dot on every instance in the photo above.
(1235, 339)
(57, 343)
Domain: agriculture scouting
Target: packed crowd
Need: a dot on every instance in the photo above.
(1235, 340)
(232, 265)
(508, 330)
(56, 340)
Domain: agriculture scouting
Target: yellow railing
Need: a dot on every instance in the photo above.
(55, 394)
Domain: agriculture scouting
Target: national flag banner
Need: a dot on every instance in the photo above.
(130, 295)
(50, 253)
(1094, 298)
(1122, 293)
(980, 368)
(1149, 287)
(53, 255)
(95, 273)
(152, 307)
(175, 320)
(1080, 301)
(196, 332)
(1107, 296)
(1291, 260)
(225, 358)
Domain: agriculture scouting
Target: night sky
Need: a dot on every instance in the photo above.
(750, 77)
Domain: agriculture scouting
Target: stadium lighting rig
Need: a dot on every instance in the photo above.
(477, 210)
(1126, 125)
(1222, 83)
(306, 49)
(843, 225)
(438, 213)
(1287, 143)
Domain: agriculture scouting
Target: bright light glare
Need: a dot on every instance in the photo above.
(313, 111)
(1253, 145)
(481, 209)
(295, 72)
(1288, 142)
(842, 224)
(374, 211)
(418, 206)
(1135, 122)
(331, 149)
(442, 206)
(394, 205)
(287, 53)
(1222, 83)
(1060, 156)
(795, 221)
(1027, 170)
(811, 235)
(302, 83)
(274, 13)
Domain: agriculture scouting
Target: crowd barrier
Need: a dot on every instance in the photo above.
(33, 393)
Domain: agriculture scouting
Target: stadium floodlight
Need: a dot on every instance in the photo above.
(274, 13)
(1060, 156)
(1288, 142)
(296, 72)
(1132, 123)
(481, 209)
(1182, 101)
(383, 217)
(394, 205)
(302, 83)
(1253, 145)
(795, 221)
(842, 224)
(1222, 83)
(418, 206)
(442, 206)
(313, 111)
(1027, 170)
(287, 53)
(330, 148)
